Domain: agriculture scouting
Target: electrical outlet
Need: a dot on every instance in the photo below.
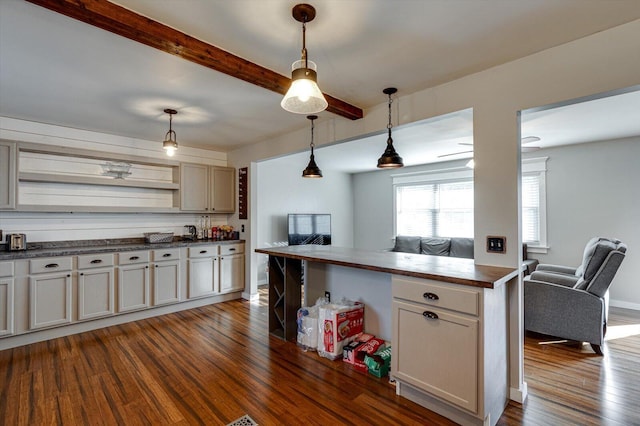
(327, 295)
(496, 244)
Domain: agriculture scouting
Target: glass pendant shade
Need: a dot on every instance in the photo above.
(170, 145)
(304, 95)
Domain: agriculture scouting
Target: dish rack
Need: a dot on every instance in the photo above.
(158, 237)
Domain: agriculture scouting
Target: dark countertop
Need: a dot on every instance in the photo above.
(441, 268)
(73, 248)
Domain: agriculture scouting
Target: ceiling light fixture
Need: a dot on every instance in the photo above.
(170, 145)
(304, 95)
(312, 170)
(390, 158)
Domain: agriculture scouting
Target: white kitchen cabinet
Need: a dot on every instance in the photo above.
(50, 290)
(203, 271)
(96, 296)
(450, 351)
(207, 188)
(231, 261)
(166, 276)
(8, 175)
(437, 351)
(6, 298)
(133, 281)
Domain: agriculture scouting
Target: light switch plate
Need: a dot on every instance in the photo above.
(496, 244)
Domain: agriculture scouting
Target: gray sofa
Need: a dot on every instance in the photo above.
(452, 247)
(571, 303)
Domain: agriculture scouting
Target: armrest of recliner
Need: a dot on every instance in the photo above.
(563, 311)
(555, 278)
(558, 269)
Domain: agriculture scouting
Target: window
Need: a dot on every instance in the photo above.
(441, 204)
(442, 209)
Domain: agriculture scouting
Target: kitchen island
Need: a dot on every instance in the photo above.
(447, 318)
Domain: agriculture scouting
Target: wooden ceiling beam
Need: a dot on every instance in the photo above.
(126, 23)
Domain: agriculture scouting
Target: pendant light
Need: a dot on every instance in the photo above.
(170, 145)
(390, 158)
(312, 170)
(304, 96)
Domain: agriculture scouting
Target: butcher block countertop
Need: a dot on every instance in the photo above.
(447, 269)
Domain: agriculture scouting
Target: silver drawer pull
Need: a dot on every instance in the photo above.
(166, 255)
(203, 251)
(431, 296)
(134, 258)
(51, 265)
(430, 315)
(96, 261)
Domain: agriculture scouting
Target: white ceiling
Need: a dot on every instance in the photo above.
(56, 70)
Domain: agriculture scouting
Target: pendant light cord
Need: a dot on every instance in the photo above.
(389, 126)
(312, 144)
(304, 41)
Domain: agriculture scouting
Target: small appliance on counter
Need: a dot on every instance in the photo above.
(16, 242)
(189, 232)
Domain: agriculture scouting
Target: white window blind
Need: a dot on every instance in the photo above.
(531, 209)
(435, 209)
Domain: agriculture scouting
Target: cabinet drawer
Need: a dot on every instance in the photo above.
(436, 293)
(131, 257)
(50, 264)
(166, 254)
(6, 269)
(203, 251)
(99, 260)
(231, 249)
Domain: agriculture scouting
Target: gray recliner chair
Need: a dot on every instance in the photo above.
(572, 303)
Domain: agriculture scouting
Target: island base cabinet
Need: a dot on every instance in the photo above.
(436, 351)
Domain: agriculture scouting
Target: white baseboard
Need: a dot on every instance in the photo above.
(624, 305)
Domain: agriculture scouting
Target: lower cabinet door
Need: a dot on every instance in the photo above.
(437, 352)
(133, 287)
(203, 277)
(49, 300)
(231, 273)
(95, 293)
(166, 282)
(6, 306)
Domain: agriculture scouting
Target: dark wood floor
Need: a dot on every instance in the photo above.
(214, 364)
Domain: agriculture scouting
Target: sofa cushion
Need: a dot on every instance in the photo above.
(435, 246)
(461, 247)
(407, 244)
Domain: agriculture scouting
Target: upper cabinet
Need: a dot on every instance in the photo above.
(8, 164)
(208, 189)
(46, 178)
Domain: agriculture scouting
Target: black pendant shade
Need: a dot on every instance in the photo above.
(390, 158)
(312, 170)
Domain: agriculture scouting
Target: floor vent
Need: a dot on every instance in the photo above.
(243, 421)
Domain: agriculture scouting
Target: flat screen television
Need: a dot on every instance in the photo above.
(309, 229)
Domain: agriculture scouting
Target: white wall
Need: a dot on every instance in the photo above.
(373, 204)
(594, 190)
(282, 190)
(88, 226)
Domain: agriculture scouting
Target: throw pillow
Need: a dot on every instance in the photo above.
(407, 244)
(435, 246)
